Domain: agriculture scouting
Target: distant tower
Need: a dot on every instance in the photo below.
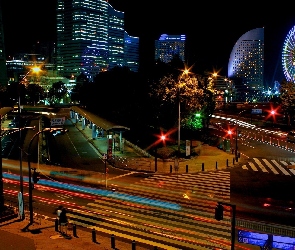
(169, 45)
(3, 69)
(131, 48)
(246, 62)
(90, 38)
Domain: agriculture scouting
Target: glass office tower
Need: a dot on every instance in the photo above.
(131, 48)
(246, 62)
(169, 45)
(90, 37)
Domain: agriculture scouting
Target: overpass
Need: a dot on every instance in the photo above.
(99, 127)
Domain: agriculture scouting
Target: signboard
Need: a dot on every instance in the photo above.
(259, 239)
(57, 121)
(20, 206)
(187, 147)
(251, 241)
(253, 235)
(256, 111)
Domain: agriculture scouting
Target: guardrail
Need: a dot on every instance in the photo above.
(266, 227)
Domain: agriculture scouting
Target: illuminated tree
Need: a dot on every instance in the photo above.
(57, 92)
(183, 90)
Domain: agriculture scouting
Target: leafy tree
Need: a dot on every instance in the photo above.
(34, 93)
(199, 113)
(287, 99)
(79, 92)
(182, 91)
(57, 92)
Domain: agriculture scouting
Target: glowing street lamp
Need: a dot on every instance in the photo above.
(184, 73)
(36, 70)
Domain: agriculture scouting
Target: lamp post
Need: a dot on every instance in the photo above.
(185, 72)
(21, 180)
(29, 168)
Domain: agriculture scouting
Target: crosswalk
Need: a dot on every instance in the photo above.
(277, 167)
(168, 211)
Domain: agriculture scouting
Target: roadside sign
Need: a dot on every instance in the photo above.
(57, 121)
(256, 111)
(176, 164)
(20, 206)
(187, 147)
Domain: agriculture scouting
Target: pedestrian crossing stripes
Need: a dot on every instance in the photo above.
(192, 226)
(277, 167)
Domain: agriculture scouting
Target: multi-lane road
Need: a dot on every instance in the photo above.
(176, 210)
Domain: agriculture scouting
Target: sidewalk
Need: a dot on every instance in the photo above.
(13, 236)
(210, 158)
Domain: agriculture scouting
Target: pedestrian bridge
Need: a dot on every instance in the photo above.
(100, 126)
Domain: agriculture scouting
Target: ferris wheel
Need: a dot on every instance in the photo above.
(288, 56)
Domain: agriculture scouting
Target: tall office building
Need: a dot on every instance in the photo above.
(246, 62)
(131, 49)
(115, 38)
(169, 45)
(90, 37)
(3, 69)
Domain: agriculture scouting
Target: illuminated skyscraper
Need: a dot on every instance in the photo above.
(169, 45)
(90, 37)
(131, 50)
(3, 69)
(246, 62)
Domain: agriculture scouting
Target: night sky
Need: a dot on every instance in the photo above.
(212, 29)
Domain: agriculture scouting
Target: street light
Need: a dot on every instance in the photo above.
(162, 138)
(29, 168)
(185, 72)
(36, 70)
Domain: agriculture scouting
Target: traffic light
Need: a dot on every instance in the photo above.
(219, 212)
(36, 176)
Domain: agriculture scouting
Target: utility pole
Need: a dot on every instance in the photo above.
(36, 174)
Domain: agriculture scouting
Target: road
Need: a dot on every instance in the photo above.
(138, 208)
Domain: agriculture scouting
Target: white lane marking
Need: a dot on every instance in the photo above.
(253, 166)
(258, 162)
(245, 167)
(270, 166)
(280, 167)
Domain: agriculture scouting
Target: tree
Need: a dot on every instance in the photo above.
(183, 90)
(287, 100)
(57, 92)
(35, 93)
(200, 113)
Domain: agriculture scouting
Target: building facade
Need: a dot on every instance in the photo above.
(3, 69)
(90, 37)
(131, 52)
(168, 46)
(246, 63)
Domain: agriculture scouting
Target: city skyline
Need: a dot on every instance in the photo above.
(211, 34)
